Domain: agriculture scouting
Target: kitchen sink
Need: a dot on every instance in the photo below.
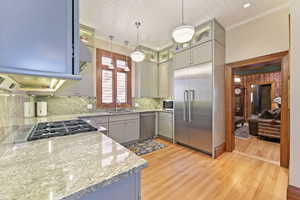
(120, 111)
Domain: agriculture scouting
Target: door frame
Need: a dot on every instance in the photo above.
(283, 57)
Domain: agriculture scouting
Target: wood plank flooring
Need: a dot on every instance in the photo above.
(263, 149)
(179, 173)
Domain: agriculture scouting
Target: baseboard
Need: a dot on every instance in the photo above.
(293, 193)
(219, 150)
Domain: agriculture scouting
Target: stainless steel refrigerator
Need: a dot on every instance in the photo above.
(193, 106)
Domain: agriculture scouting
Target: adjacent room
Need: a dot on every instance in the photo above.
(257, 114)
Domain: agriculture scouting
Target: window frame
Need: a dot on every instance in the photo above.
(100, 67)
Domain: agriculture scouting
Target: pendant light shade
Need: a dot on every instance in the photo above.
(183, 33)
(137, 55)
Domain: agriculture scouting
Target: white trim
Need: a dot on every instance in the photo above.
(268, 12)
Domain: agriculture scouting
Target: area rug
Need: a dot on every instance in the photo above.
(242, 132)
(145, 147)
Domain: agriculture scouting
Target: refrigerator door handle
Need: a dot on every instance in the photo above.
(189, 104)
(185, 97)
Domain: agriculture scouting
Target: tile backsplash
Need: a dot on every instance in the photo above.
(147, 103)
(12, 108)
(63, 105)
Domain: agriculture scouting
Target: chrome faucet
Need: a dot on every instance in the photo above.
(118, 102)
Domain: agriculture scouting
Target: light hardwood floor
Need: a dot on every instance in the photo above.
(263, 149)
(179, 173)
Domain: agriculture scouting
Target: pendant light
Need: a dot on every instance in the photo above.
(126, 62)
(111, 66)
(137, 55)
(183, 33)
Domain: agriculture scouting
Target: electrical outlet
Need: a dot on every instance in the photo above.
(90, 106)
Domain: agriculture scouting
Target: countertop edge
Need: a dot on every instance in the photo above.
(78, 195)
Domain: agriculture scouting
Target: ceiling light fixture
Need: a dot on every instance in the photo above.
(183, 33)
(247, 5)
(137, 55)
(111, 65)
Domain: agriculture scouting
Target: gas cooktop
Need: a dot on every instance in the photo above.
(60, 128)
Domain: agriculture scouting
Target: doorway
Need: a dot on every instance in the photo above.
(259, 96)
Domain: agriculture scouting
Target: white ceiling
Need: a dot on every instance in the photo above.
(159, 17)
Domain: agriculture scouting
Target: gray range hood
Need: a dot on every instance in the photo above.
(31, 84)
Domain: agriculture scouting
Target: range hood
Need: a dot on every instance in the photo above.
(32, 84)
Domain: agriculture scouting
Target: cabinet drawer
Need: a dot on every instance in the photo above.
(95, 120)
(115, 118)
(165, 115)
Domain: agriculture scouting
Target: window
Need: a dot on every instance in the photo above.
(113, 79)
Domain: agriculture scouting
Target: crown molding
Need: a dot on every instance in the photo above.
(268, 12)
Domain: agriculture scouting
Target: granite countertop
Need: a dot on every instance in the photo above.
(63, 167)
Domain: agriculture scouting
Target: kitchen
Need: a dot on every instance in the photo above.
(89, 108)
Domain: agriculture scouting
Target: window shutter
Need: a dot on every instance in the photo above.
(121, 87)
(107, 86)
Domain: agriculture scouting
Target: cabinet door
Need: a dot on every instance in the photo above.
(202, 53)
(124, 131)
(181, 59)
(116, 131)
(164, 80)
(132, 130)
(36, 37)
(84, 87)
(147, 79)
(166, 125)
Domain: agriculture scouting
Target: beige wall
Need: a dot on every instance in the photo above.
(295, 94)
(262, 36)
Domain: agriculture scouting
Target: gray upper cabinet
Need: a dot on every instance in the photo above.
(40, 38)
(84, 87)
(219, 33)
(146, 79)
(202, 53)
(164, 77)
(182, 59)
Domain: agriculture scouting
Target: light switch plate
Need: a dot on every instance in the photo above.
(89, 106)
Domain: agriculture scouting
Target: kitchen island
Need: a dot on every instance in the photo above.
(83, 166)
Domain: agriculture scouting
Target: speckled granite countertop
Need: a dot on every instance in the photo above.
(92, 114)
(63, 167)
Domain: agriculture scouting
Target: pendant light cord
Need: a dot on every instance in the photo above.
(182, 11)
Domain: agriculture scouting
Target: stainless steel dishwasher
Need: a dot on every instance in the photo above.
(147, 128)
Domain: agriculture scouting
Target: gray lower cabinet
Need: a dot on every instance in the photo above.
(165, 124)
(124, 128)
(127, 188)
(124, 131)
